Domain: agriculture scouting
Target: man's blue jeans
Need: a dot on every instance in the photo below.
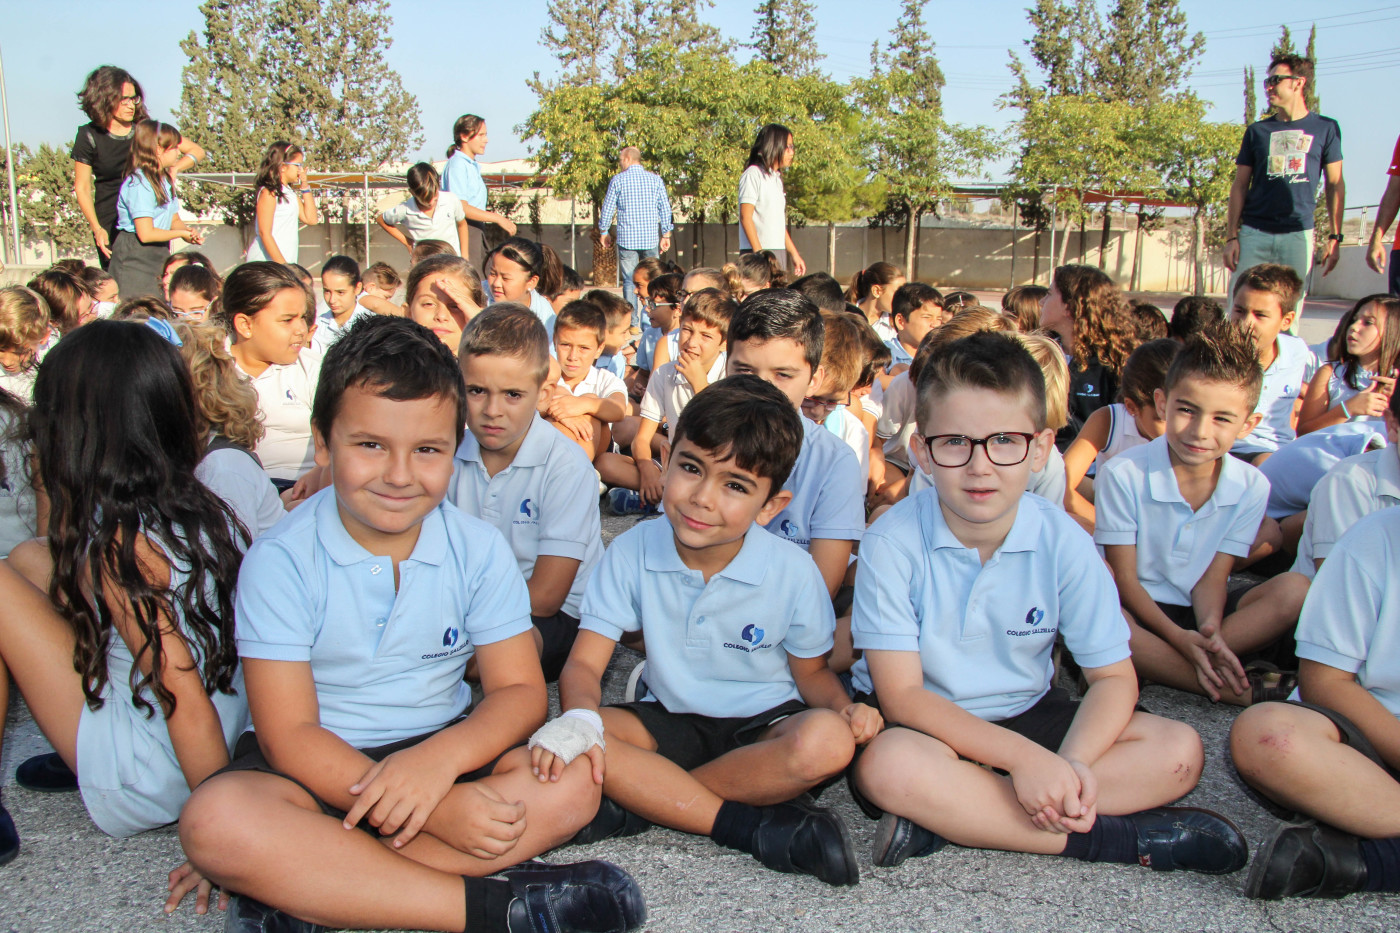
(627, 260)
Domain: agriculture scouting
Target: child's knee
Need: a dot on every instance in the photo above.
(1262, 738)
(1181, 749)
(822, 746)
(891, 767)
(211, 821)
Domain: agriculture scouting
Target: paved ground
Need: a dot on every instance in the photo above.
(70, 877)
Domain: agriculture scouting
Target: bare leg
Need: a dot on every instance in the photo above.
(618, 470)
(1160, 663)
(1292, 528)
(36, 649)
(1266, 613)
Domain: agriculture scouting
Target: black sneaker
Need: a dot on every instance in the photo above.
(1189, 839)
(897, 839)
(47, 774)
(9, 837)
(806, 840)
(246, 915)
(585, 897)
(1306, 860)
(611, 821)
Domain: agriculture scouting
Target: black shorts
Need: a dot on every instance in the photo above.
(691, 740)
(1185, 616)
(1351, 735)
(248, 756)
(559, 632)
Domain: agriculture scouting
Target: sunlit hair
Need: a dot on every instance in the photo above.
(1387, 311)
(227, 403)
(1192, 313)
(531, 257)
(582, 315)
(143, 307)
(148, 140)
(251, 287)
(986, 361)
(780, 313)
(1223, 353)
(843, 350)
(1275, 278)
(1022, 304)
(24, 318)
(424, 249)
(614, 307)
(710, 306)
(102, 93)
(1103, 327)
(464, 129)
(963, 324)
(270, 172)
(754, 271)
(66, 295)
(383, 275)
(508, 329)
(423, 183)
(878, 273)
(197, 280)
(1050, 357)
(443, 264)
(748, 420)
(768, 148)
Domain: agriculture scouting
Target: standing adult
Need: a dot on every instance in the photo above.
(462, 177)
(1385, 216)
(762, 201)
(638, 199)
(114, 102)
(1282, 159)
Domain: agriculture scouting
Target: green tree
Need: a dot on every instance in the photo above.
(1251, 99)
(44, 185)
(581, 35)
(785, 37)
(1195, 160)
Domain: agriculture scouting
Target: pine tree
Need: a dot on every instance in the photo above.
(581, 34)
(1251, 100)
(785, 37)
(1145, 52)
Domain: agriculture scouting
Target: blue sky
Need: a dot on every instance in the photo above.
(475, 56)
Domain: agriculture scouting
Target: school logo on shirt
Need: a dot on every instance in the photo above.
(453, 642)
(449, 637)
(290, 396)
(788, 529)
(753, 636)
(1034, 617)
(530, 511)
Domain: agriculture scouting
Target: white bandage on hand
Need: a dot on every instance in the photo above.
(572, 734)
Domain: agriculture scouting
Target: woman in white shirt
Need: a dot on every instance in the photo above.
(762, 201)
(284, 203)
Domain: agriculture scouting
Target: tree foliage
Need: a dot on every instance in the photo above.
(785, 37)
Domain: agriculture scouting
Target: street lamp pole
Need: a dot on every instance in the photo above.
(10, 165)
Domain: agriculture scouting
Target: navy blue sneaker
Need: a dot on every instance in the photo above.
(585, 897)
(9, 837)
(625, 502)
(47, 774)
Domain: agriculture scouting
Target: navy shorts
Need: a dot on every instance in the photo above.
(691, 740)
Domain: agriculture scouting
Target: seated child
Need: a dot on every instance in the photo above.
(570, 288)
(1266, 302)
(1191, 314)
(825, 292)
(843, 361)
(138, 690)
(424, 215)
(872, 291)
(24, 328)
(516, 472)
(382, 281)
(704, 326)
(1086, 779)
(103, 287)
(1130, 422)
(617, 354)
(1176, 513)
(753, 272)
(444, 293)
(424, 249)
(696, 280)
(777, 335)
(372, 793)
(587, 400)
(193, 291)
(741, 717)
(648, 268)
(663, 307)
(343, 290)
(1332, 753)
(1358, 382)
(915, 310)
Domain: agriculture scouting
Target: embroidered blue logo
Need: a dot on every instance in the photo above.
(1035, 617)
(529, 509)
(750, 640)
(752, 634)
(788, 528)
(449, 637)
(290, 396)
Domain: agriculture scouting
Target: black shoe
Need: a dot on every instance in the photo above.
(611, 821)
(246, 915)
(806, 840)
(46, 774)
(1306, 860)
(9, 837)
(897, 839)
(1190, 839)
(586, 897)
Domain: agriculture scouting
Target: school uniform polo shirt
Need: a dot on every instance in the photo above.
(285, 394)
(600, 382)
(720, 648)
(1137, 501)
(898, 355)
(1349, 492)
(387, 666)
(1351, 619)
(545, 503)
(328, 331)
(984, 632)
(668, 392)
(137, 198)
(1297, 467)
(828, 495)
(1283, 380)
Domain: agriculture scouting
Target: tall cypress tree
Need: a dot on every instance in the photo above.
(785, 37)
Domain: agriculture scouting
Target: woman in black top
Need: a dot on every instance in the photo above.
(1088, 313)
(112, 100)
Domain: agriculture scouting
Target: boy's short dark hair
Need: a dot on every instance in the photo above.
(614, 306)
(570, 280)
(584, 315)
(396, 359)
(1277, 279)
(987, 360)
(710, 306)
(780, 313)
(750, 421)
(1220, 353)
(910, 297)
(94, 277)
(1191, 314)
(1146, 371)
(509, 329)
(822, 290)
(1296, 64)
(425, 248)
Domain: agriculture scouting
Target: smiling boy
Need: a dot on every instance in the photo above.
(372, 794)
(971, 686)
(1265, 303)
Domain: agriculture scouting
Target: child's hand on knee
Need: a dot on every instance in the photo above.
(1047, 787)
(491, 826)
(1056, 820)
(401, 792)
(865, 721)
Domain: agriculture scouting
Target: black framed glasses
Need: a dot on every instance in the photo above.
(1276, 80)
(1005, 448)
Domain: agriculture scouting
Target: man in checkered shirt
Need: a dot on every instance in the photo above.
(638, 199)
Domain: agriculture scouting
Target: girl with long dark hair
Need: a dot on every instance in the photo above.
(284, 203)
(762, 201)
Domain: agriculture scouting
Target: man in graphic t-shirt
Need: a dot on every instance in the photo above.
(1281, 162)
(1385, 215)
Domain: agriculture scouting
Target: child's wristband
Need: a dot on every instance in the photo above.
(1345, 412)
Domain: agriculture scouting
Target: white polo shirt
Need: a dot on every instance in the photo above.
(845, 425)
(328, 331)
(984, 632)
(545, 502)
(720, 648)
(1137, 501)
(387, 666)
(1351, 619)
(1295, 468)
(828, 496)
(600, 382)
(285, 394)
(668, 392)
(417, 224)
(1283, 380)
(1349, 492)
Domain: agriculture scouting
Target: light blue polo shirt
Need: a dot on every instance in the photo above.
(462, 176)
(1351, 619)
(898, 355)
(1296, 467)
(545, 502)
(1137, 501)
(386, 665)
(138, 199)
(828, 494)
(1283, 380)
(984, 632)
(1349, 492)
(720, 648)
(328, 331)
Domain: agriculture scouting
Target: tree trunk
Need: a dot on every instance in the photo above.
(604, 260)
(1135, 280)
(831, 249)
(1198, 250)
(1064, 241)
(1083, 243)
(1103, 238)
(1035, 263)
(911, 244)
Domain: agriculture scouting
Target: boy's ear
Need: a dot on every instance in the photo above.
(1288, 320)
(1159, 398)
(773, 506)
(818, 379)
(323, 447)
(1249, 424)
(919, 453)
(1040, 449)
